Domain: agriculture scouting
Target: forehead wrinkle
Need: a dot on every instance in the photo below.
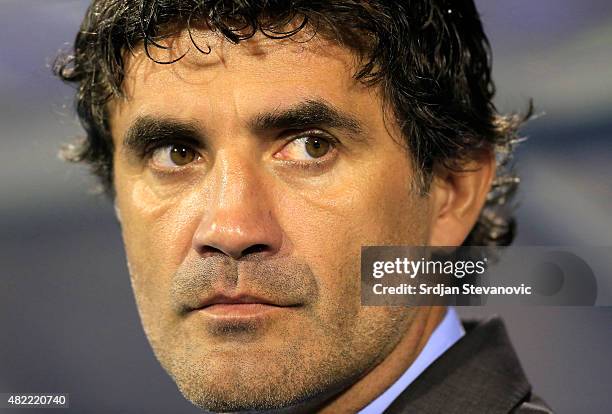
(221, 49)
(140, 69)
(137, 65)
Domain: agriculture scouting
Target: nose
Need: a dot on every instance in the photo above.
(239, 220)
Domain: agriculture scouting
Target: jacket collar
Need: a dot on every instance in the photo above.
(480, 373)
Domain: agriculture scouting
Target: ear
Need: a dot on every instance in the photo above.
(117, 211)
(457, 198)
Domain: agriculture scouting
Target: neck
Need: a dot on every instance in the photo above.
(370, 386)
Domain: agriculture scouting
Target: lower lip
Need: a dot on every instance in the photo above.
(239, 310)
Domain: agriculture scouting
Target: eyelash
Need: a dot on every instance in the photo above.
(156, 144)
(316, 163)
(315, 133)
(148, 151)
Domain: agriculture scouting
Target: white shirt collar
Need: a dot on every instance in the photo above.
(448, 331)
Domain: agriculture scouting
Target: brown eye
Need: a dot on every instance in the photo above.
(316, 147)
(181, 155)
(173, 156)
(307, 148)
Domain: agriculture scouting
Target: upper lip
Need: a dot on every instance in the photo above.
(235, 299)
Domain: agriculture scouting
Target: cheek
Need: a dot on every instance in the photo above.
(327, 229)
(157, 233)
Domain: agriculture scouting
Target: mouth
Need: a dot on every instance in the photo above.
(243, 307)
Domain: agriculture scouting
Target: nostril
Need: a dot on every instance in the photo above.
(209, 251)
(254, 249)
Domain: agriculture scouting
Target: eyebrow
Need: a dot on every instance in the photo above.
(309, 113)
(147, 130)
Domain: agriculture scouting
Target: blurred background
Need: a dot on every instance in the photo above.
(67, 317)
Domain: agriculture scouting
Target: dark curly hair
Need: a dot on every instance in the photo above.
(430, 58)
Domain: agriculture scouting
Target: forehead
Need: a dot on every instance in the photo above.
(238, 79)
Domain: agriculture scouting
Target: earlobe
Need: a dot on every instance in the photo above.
(457, 199)
(117, 211)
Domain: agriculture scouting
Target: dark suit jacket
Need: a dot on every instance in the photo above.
(479, 374)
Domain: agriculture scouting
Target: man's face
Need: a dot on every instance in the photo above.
(247, 181)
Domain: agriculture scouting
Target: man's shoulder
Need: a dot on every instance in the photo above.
(480, 373)
(535, 405)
